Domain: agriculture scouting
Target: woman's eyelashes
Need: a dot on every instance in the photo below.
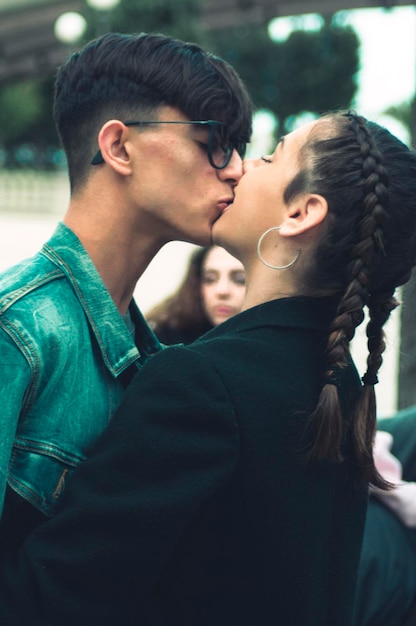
(266, 159)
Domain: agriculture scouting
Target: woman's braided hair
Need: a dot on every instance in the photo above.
(368, 249)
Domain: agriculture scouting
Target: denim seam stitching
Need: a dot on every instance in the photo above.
(12, 297)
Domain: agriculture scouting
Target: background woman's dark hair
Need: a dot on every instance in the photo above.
(367, 250)
(181, 317)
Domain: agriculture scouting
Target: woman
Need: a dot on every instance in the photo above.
(231, 486)
(212, 291)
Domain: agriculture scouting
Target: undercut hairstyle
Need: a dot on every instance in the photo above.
(119, 76)
(366, 251)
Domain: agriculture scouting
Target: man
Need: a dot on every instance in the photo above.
(154, 130)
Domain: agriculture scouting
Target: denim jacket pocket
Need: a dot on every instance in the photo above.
(40, 477)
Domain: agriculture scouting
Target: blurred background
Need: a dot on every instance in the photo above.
(298, 58)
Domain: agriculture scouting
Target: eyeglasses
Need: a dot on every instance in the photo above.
(220, 146)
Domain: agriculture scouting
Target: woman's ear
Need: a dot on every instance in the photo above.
(112, 141)
(304, 213)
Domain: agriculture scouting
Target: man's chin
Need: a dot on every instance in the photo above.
(204, 240)
(216, 231)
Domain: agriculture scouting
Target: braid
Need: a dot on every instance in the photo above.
(380, 307)
(365, 423)
(350, 314)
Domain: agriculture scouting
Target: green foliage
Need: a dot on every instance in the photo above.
(406, 114)
(20, 107)
(323, 65)
(254, 56)
(309, 72)
(177, 18)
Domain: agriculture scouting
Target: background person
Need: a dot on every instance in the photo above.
(211, 292)
(153, 129)
(231, 486)
(386, 590)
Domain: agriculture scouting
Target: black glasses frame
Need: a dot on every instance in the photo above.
(213, 126)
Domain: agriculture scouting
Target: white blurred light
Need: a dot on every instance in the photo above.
(103, 5)
(263, 138)
(280, 28)
(300, 119)
(69, 27)
(394, 126)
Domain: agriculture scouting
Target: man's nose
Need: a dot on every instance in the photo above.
(233, 170)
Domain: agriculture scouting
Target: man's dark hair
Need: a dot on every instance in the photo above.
(120, 76)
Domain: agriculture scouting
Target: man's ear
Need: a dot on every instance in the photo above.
(304, 213)
(114, 147)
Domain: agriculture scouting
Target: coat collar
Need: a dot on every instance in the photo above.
(295, 312)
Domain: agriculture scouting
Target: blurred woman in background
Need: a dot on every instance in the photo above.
(212, 291)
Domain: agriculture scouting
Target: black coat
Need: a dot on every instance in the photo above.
(198, 507)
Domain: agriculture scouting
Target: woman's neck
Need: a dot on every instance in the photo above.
(264, 285)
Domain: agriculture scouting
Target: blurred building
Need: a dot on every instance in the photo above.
(28, 45)
(228, 13)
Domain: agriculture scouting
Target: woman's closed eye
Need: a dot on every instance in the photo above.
(238, 277)
(209, 278)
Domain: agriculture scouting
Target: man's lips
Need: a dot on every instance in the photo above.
(224, 204)
(222, 207)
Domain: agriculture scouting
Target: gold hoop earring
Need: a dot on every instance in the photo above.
(259, 254)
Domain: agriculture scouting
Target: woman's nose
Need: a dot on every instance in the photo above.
(223, 286)
(249, 164)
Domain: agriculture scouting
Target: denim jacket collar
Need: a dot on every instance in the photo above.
(117, 347)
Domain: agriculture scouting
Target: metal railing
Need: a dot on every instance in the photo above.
(33, 191)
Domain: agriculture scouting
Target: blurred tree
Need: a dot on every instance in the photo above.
(404, 113)
(406, 396)
(178, 19)
(20, 106)
(310, 71)
(26, 118)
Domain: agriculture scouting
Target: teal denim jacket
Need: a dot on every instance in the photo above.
(64, 352)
